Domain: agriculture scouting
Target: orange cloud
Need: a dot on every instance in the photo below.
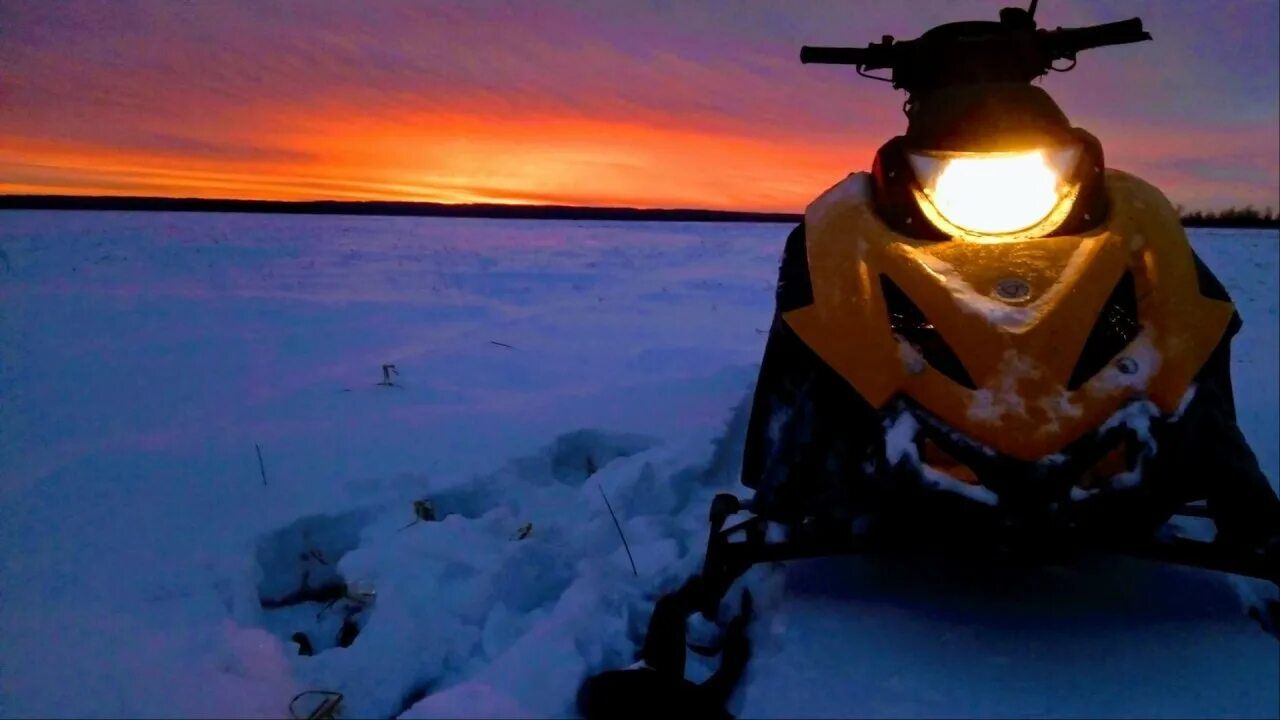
(607, 103)
(454, 157)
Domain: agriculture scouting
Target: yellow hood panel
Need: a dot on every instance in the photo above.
(1019, 354)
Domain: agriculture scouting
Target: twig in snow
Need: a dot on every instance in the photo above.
(327, 709)
(387, 371)
(262, 469)
(326, 607)
(619, 526)
(502, 344)
(423, 511)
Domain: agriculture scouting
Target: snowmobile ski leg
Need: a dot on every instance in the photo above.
(734, 653)
(657, 686)
(719, 568)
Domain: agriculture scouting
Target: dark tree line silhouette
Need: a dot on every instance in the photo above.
(1233, 217)
(1245, 217)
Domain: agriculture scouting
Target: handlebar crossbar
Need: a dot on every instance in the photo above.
(1012, 49)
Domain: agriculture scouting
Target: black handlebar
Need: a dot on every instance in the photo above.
(1064, 43)
(1059, 44)
(834, 55)
(876, 56)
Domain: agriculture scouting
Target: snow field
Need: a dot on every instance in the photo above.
(143, 356)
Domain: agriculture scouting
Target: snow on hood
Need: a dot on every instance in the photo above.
(970, 300)
(900, 439)
(991, 404)
(900, 446)
(1184, 403)
(1135, 416)
(912, 361)
(1131, 370)
(994, 311)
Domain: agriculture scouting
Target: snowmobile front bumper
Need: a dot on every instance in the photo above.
(1096, 479)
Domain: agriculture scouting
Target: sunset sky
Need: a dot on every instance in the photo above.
(657, 103)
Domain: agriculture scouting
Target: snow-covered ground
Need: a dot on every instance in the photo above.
(143, 356)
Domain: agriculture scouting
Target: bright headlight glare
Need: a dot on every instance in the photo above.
(995, 193)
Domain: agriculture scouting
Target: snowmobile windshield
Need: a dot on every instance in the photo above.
(997, 117)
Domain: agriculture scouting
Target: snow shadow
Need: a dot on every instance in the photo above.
(1089, 594)
(521, 586)
(305, 599)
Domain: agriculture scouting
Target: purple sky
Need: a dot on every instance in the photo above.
(603, 102)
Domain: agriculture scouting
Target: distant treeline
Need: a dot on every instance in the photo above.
(380, 207)
(1246, 217)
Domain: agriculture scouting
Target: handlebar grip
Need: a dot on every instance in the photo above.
(876, 57)
(1069, 41)
(832, 55)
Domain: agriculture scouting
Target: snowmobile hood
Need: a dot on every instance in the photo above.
(1022, 346)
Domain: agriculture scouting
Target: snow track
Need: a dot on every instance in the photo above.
(469, 611)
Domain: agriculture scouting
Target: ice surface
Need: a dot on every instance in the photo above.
(143, 355)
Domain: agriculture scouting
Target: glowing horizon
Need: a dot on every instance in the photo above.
(620, 104)
(574, 162)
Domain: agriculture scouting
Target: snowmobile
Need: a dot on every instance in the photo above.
(993, 340)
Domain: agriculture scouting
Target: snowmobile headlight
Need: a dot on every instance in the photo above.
(1006, 194)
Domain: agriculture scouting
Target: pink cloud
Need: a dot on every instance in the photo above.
(251, 99)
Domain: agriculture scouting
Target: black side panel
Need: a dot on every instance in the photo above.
(1117, 326)
(1204, 455)
(810, 435)
(795, 287)
(906, 320)
(1210, 286)
(1093, 204)
(892, 180)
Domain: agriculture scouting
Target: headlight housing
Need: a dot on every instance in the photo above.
(996, 195)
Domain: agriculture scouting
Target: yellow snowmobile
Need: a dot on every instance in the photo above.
(992, 340)
(993, 331)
